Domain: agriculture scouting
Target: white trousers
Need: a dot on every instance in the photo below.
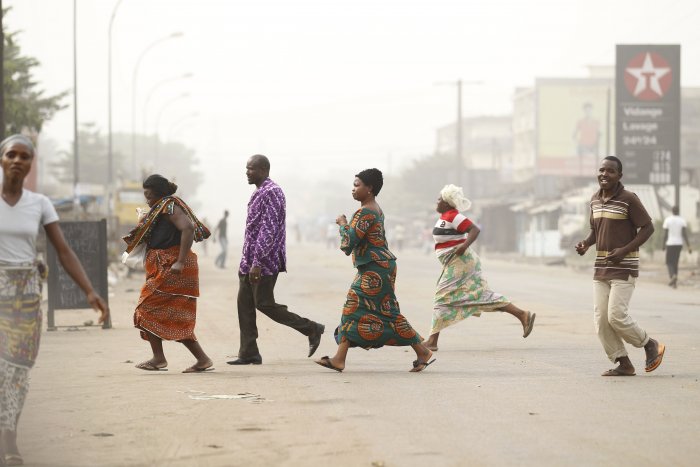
(613, 324)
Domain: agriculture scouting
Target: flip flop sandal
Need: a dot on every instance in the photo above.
(194, 369)
(148, 366)
(654, 364)
(530, 324)
(417, 364)
(616, 372)
(326, 362)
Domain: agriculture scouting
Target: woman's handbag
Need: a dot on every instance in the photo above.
(135, 259)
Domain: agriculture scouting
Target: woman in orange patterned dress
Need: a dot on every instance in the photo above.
(167, 307)
(371, 317)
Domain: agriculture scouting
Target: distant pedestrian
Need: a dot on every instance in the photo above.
(675, 231)
(331, 236)
(461, 289)
(220, 233)
(371, 317)
(22, 214)
(619, 226)
(399, 236)
(264, 257)
(167, 307)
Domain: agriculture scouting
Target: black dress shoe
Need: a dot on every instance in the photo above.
(246, 361)
(315, 338)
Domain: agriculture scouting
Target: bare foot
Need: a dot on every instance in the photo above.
(432, 342)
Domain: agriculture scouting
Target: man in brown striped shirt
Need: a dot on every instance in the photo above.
(619, 226)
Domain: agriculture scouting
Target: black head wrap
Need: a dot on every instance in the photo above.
(160, 185)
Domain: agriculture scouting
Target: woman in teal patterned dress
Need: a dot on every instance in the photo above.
(371, 316)
(461, 290)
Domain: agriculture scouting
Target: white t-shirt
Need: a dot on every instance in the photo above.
(674, 225)
(19, 226)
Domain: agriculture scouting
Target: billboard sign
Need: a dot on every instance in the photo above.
(572, 130)
(648, 113)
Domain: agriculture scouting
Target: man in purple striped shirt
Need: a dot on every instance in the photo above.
(264, 257)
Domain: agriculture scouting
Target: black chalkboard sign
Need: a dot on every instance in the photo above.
(89, 241)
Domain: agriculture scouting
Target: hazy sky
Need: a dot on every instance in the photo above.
(338, 85)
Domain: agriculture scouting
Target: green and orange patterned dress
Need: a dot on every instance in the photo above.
(371, 316)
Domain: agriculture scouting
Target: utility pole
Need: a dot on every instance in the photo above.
(460, 162)
(76, 162)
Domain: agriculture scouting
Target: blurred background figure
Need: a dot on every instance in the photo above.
(21, 276)
(332, 236)
(675, 231)
(399, 236)
(221, 233)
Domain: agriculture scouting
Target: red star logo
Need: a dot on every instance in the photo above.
(648, 76)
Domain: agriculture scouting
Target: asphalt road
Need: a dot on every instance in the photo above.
(491, 398)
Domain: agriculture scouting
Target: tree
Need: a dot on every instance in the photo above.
(26, 106)
(176, 161)
(93, 158)
(418, 186)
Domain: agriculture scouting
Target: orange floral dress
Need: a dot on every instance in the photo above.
(167, 307)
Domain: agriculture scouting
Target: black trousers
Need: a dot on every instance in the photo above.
(261, 296)
(673, 254)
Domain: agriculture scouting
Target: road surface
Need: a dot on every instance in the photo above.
(491, 398)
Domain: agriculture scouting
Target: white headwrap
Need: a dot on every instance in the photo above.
(17, 138)
(454, 196)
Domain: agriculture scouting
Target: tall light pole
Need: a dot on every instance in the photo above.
(177, 123)
(152, 91)
(76, 162)
(110, 153)
(160, 114)
(133, 93)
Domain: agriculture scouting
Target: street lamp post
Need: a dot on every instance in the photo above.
(133, 93)
(151, 93)
(160, 114)
(110, 153)
(76, 161)
(177, 123)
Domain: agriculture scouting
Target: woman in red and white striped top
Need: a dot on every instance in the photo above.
(461, 290)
